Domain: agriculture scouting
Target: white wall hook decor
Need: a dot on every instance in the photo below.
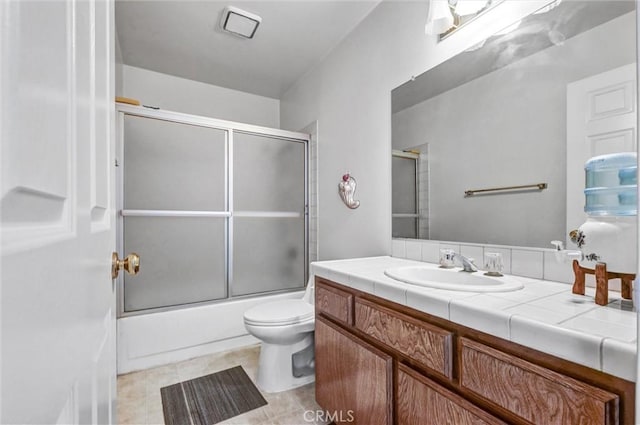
(347, 189)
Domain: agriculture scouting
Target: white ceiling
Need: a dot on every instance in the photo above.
(183, 38)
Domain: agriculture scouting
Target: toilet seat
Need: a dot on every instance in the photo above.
(279, 313)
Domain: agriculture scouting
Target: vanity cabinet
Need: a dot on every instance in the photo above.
(389, 364)
(353, 379)
(534, 393)
(422, 401)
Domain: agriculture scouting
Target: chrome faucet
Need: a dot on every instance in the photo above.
(467, 264)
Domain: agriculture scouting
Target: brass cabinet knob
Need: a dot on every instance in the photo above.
(131, 263)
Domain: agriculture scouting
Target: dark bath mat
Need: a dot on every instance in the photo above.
(210, 399)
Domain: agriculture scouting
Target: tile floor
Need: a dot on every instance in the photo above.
(139, 400)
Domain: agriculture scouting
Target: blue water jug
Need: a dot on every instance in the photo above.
(611, 184)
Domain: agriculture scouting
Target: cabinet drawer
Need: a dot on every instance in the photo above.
(334, 302)
(422, 401)
(424, 343)
(534, 393)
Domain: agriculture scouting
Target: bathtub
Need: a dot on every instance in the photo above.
(154, 339)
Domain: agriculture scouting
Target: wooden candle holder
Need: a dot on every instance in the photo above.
(602, 281)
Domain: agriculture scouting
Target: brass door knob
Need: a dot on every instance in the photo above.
(131, 263)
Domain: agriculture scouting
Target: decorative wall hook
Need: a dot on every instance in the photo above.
(347, 189)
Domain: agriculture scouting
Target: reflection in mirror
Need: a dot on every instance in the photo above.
(497, 116)
(466, 11)
(410, 193)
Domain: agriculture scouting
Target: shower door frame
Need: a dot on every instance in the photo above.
(416, 196)
(230, 127)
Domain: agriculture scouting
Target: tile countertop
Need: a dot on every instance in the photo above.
(544, 315)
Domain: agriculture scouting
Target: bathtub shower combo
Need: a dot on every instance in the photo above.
(218, 212)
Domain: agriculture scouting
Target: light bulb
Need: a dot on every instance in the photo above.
(439, 17)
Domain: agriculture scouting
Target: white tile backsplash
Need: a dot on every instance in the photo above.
(474, 252)
(506, 256)
(454, 247)
(555, 270)
(413, 250)
(533, 263)
(527, 263)
(398, 248)
(431, 252)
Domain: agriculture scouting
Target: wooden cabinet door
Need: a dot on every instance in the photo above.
(353, 379)
(536, 394)
(421, 401)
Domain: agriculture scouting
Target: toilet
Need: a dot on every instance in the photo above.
(285, 329)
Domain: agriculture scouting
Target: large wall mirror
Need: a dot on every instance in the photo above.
(504, 113)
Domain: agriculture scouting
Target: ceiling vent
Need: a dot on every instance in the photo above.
(239, 22)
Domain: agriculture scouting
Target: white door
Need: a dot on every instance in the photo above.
(601, 119)
(57, 212)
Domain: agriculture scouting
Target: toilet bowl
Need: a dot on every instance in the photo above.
(285, 329)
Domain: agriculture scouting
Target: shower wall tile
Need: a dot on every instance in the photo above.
(313, 199)
(423, 189)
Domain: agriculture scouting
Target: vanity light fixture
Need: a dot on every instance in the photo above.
(443, 22)
(469, 7)
(239, 22)
(446, 16)
(439, 17)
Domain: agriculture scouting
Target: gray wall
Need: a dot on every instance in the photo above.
(349, 94)
(193, 97)
(118, 64)
(508, 128)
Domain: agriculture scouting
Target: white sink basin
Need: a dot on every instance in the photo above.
(453, 279)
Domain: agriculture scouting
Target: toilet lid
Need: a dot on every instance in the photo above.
(280, 312)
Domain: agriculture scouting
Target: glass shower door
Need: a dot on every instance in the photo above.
(269, 226)
(175, 212)
(404, 197)
(215, 209)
